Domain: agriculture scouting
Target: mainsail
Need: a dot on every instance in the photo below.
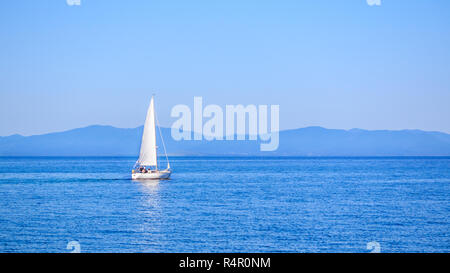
(147, 156)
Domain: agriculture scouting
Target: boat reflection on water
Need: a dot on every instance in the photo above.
(150, 190)
(150, 215)
(150, 186)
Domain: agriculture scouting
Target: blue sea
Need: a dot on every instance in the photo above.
(226, 204)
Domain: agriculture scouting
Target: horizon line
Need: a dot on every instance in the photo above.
(229, 156)
(285, 130)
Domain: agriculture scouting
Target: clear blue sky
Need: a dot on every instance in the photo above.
(336, 64)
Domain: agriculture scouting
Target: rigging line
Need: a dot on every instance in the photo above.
(162, 139)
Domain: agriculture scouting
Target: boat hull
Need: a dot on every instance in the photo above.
(152, 175)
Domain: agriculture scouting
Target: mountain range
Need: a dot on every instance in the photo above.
(99, 140)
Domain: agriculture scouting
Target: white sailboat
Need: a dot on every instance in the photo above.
(146, 166)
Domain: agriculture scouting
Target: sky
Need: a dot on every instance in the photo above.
(337, 64)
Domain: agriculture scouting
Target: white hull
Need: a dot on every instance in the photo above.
(152, 175)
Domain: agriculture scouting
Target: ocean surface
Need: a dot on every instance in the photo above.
(225, 204)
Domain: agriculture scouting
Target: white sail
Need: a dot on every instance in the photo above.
(147, 156)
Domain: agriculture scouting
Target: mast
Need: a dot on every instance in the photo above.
(162, 140)
(152, 105)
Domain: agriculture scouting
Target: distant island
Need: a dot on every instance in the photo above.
(100, 140)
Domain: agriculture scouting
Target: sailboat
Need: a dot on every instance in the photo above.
(146, 166)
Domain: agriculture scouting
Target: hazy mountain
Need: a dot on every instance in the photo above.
(311, 141)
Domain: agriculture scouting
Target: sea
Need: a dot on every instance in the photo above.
(226, 204)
